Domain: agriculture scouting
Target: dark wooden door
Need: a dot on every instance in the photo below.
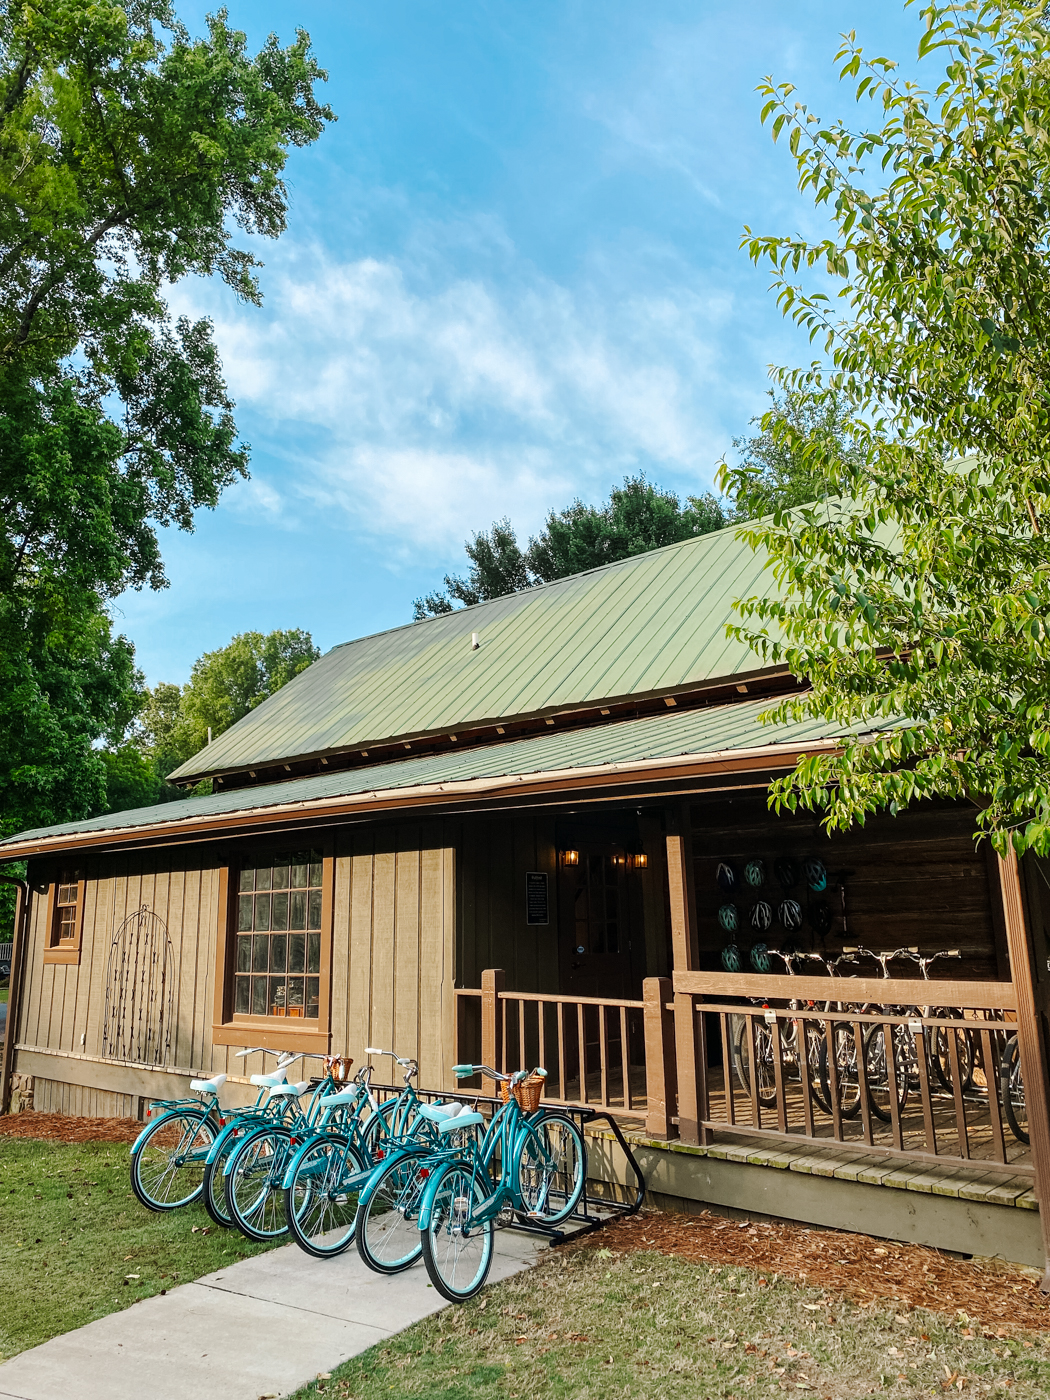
(596, 924)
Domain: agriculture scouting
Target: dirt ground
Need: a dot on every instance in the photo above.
(996, 1298)
(59, 1127)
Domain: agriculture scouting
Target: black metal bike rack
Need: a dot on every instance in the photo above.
(584, 1218)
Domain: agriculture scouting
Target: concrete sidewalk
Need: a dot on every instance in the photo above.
(262, 1327)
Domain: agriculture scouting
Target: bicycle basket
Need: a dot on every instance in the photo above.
(339, 1067)
(528, 1093)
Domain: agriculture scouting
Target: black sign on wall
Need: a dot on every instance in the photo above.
(537, 906)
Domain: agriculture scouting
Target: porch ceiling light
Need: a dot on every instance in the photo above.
(570, 857)
(639, 861)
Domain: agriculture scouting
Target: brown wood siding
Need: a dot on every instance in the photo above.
(52, 1096)
(915, 880)
(496, 854)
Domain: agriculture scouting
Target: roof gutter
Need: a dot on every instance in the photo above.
(432, 795)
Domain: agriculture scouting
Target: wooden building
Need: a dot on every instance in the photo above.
(517, 829)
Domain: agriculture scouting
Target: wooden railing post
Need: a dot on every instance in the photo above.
(661, 1080)
(1031, 1042)
(493, 981)
(685, 953)
(691, 1058)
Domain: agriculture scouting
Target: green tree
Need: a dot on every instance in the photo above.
(925, 597)
(774, 471)
(637, 517)
(129, 154)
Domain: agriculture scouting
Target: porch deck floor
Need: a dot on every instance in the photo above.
(979, 1147)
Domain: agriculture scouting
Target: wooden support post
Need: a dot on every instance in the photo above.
(14, 996)
(1031, 1041)
(691, 1059)
(493, 981)
(680, 887)
(660, 1077)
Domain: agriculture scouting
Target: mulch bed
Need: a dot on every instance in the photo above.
(61, 1127)
(997, 1299)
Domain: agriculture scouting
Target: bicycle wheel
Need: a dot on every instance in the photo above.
(457, 1250)
(214, 1193)
(388, 1237)
(876, 1069)
(1011, 1091)
(848, 1080)
(167, 1169)
(320, 1210)
(254, 1197)
(815, 1050)
(741, 1052)
(552, 1169)
(940, 1051)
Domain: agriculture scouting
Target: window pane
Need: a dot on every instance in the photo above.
(262, 911)
(240, 1002)
(276, 996)
(313, 952)
(312, 997)
(262, 879)
(315, 874)
(260, 948)
(280, 911)
(296, 952)
(280, 876)
(244, 954)
(258, 996)
(315, 908)
(244, 913)
(247, 880)
(299, 876)
(295, 995)
(278, 952)
(298, 914)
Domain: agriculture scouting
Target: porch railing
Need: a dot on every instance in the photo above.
(772, 1057)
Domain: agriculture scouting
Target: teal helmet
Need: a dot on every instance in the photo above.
(755, 873)
(731, 958)
(760, 959)
(729, 918)
(816, 874)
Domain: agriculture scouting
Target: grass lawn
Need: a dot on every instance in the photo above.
(592, 1324)
(76, 1244)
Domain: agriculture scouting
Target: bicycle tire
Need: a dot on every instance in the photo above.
(848, 1079)
(456, 1250)
(171, 1154)
(551, 1168)
(322, 1219)
(740, 1049)
(214, 1192)
(1011, 1090)
(388, 1235)
(877, 1077)
(254, 1195)
(940, 1054)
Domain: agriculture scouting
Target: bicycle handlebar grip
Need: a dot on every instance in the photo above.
(371, 1050)
(463, 1071)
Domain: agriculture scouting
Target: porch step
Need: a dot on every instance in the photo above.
(966, 1210)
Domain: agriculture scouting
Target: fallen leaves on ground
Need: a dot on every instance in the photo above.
(995, 1297)
(63, 1127)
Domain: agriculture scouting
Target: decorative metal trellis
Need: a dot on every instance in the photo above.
(140, 991)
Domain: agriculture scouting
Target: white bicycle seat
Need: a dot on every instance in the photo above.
(208, 1086)
(461, 1120)
(438, 1112)
(341, 1096)
(289, 1090)
(269, 1081)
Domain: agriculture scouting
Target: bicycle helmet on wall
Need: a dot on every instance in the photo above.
(729, 918)
(786, 871)
(726, 877)
(731, 959)
(761, 916)
(760, 959)
(755, 873)
(816, 874)
(789, 912)
(820, 917)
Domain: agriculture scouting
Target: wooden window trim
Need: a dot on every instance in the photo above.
(228, 1028)
(67, 954)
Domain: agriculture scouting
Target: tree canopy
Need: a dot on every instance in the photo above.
(638, 516)
(925, 597)
(130, 153)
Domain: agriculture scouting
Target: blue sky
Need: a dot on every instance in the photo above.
(511, 275)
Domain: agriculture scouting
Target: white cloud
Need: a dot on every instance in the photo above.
(422, 403)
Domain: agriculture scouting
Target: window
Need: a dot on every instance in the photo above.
(273, 965)
(65, 918)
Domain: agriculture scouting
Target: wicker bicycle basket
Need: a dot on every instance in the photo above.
(339, 1065)
(528, 1093)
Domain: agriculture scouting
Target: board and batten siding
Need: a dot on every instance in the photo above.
(392, 967)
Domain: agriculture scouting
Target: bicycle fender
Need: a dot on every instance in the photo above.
(137, 1144)
(426, 1207)
(370, 1176)
(297, 1156)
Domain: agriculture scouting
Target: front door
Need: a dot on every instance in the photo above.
(596, 930)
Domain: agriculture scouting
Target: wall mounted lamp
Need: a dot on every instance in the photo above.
(640, 861)
(570, 857)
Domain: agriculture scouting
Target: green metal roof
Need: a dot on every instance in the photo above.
(650, 624)
(687, 734)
